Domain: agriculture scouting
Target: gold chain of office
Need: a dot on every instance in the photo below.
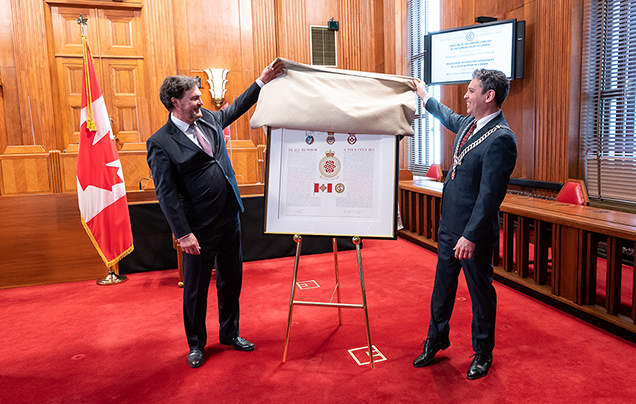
(457, 159)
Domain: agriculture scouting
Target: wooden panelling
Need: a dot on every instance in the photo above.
(553, 89)
(350, 44)
(125, 80)
(70, 71)
(163, 44)
(117, 45)
(120, 33)
(46, 242)
(33, 74)
(292, 30)
(264, 32)
(10, 126)
(264, 45)
(166, 37)
(389, 37)
(135, 168)
(25, 174)
(244, 157)
(133, 163)
(68, 171)
(56, 172)
(67, 32)
(186, 37)
(542, 108)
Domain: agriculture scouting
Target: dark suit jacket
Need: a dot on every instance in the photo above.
(470, 202)
(197, 191)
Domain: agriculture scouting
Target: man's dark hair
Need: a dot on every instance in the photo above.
(493, 80)
(175, 86)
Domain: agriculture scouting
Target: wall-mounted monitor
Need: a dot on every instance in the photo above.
(453, 54)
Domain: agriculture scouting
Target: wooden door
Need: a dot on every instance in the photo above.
(116, 42)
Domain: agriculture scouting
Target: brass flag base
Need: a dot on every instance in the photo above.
(112, 278)
(356, 241)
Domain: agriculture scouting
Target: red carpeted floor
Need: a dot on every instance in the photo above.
(83, 343)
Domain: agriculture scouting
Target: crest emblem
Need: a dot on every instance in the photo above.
(331, 139)
(352, 139)
(340, 187)
(330, 165)
(309, 139)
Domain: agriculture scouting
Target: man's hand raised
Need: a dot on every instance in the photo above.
(273, 71)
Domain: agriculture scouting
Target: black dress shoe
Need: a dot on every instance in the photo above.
(240, 344)
(430, 350)
(195, 358)
(479, 367)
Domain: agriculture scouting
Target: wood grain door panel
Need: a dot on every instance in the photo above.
(70, 71)
(67, 33)
(124, 79)
(120, 33)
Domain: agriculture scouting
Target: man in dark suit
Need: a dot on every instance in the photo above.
(198, 194)
(485, 152)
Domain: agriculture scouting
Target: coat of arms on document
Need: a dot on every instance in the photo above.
(329, 165)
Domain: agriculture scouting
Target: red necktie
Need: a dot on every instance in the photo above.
(202, 141)
(467, 135)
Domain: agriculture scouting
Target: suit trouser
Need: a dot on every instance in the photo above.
(223, 248)
(479, 274)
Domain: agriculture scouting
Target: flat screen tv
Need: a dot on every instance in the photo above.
(453, 54)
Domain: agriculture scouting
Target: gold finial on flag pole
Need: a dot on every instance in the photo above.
(82, 23)
(90, 121)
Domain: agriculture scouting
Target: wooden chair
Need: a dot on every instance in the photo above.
(574, 192)
(435, 171)
(176, 246)
(405, 175)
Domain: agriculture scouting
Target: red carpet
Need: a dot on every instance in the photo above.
(83, 343)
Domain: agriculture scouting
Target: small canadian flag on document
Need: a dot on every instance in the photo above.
(322, 188)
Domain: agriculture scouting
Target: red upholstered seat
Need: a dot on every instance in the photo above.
(574, 192)
(435, 171)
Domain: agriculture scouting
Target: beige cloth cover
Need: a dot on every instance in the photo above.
(332, 100)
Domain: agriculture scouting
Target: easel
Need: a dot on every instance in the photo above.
(356, 241)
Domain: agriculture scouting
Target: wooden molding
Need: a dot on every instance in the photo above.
(123, 4)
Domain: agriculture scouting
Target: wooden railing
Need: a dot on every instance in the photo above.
(563, 238)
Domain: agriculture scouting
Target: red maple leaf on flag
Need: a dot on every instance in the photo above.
(101, 156)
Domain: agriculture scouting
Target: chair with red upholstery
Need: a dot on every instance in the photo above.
(435, 171)
(574, 192)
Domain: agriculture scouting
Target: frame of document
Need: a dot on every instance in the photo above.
(332, 184)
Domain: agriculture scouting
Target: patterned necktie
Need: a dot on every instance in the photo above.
(202, 141)
(467, 135)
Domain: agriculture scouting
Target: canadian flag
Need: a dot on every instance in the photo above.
(322, 188)
(101, 190)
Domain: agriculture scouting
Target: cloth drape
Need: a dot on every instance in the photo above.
(333, 100)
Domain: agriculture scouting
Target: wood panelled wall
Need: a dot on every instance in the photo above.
(543, 107)
(188, 36)
(184, 37)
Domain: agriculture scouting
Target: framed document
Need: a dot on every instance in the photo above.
(332, 184)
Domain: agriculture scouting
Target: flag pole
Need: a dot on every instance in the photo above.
(113, 276)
